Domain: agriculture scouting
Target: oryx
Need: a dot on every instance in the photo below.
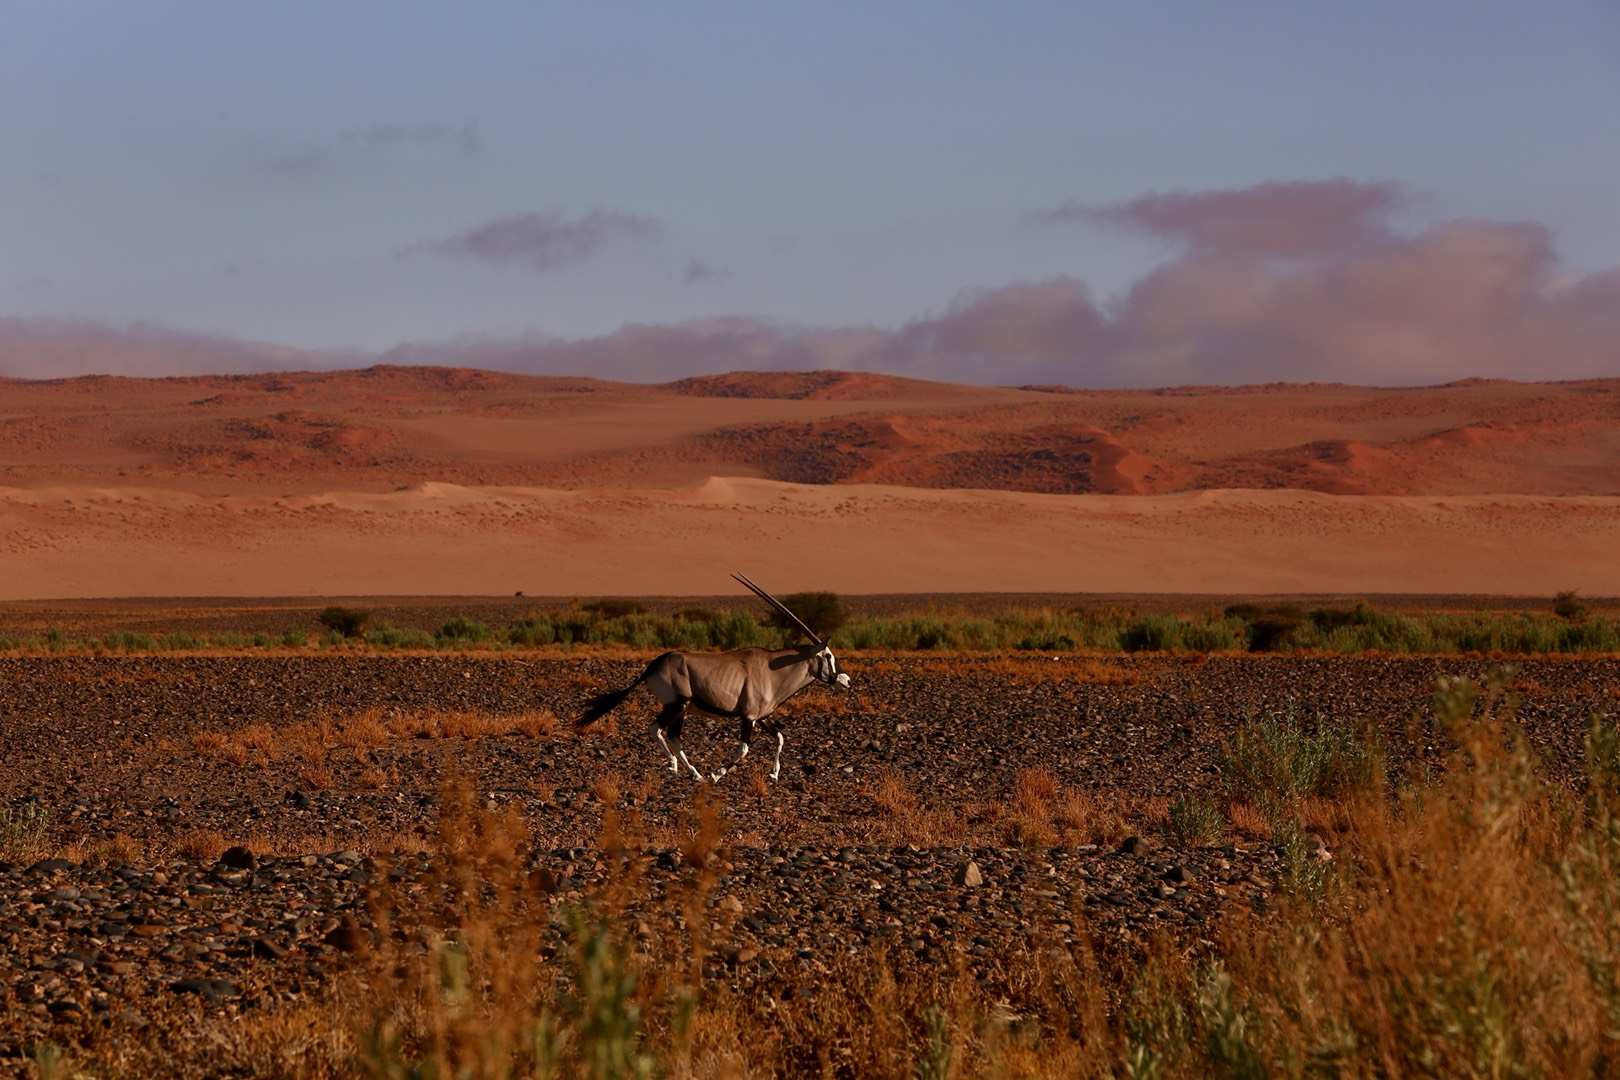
(745, 684)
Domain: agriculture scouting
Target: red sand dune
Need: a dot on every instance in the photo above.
(383, 426)
(404, 479)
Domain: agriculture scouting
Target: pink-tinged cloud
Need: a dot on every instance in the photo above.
(1461, 299)
(545, 241)
(63, 348)
(1326, 292)
(1281, 219)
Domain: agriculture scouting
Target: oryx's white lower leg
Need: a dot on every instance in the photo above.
(717, 774)
(674, 765)
(695, 774)
(776, 768)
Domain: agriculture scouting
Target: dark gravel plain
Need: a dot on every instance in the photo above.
(121, 753)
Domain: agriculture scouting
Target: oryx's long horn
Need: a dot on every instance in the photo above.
(779, 606)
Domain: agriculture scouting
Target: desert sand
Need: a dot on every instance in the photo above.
(445, 481)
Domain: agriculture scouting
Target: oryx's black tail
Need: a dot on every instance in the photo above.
(602, 704)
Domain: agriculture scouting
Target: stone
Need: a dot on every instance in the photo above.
(238, 858)
(969, 875)
(346, 936)
(214, 990)
(268, 948)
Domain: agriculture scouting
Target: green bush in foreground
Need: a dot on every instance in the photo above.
(1276, 761)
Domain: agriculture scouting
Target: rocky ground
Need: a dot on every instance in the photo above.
(222, 834)
(90, 954)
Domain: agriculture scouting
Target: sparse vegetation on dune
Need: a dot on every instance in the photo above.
(1569, 629)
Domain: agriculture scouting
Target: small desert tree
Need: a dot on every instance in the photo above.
(342, 620)
(1568, 606)
(823, 612)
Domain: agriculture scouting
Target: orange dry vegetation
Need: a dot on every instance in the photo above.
(1470, 927)
(312, 740)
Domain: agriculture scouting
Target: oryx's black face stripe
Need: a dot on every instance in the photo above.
(824, 668)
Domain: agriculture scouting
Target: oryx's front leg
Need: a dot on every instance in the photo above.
(747, 737)
(776, 768)
(674, 765)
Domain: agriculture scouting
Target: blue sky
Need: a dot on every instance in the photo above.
(309, 173)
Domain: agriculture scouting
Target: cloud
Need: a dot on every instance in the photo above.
(697, 272)
(1299, 282)
(1281, 219)
(1352, 301)
(64, 348)
(463, 140)
(544, 241)
(355, 146)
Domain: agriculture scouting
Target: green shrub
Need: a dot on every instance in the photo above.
(1567, 606)
(1274, 762)
(1195, 819)
(1274, 631)
(1327, 620)
(24, 830)
(612, 607)
(462, 629)
(1152, 633)
(386, 636)
(295, 637)
(1214, 635)
(531, 631)
(342, 621)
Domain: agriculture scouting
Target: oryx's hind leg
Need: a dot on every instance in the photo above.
(668, 729)
(670, 722)
(747, 736)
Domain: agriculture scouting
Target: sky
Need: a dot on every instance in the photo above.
(1119, 194)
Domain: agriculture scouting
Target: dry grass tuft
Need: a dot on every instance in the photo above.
(607, 789)
(376, 778)
(1042, 811)
(705, 830)
(1248, 821)
(120, 849)
(905, 816)
(204, 845)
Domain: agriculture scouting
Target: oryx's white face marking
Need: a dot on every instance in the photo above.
(824, 666)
